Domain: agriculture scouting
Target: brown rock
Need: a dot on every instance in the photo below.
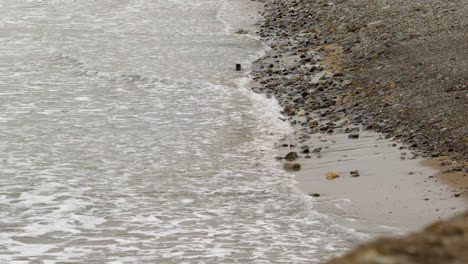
(331, 175)
(313, 123)
(440, 243)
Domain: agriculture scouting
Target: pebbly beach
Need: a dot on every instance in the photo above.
(377, 94)
(383, 63)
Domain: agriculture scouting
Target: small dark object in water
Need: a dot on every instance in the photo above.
(353, 136)
(315, 194)
(238, 67)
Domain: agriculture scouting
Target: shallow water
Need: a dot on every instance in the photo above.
(126, 137)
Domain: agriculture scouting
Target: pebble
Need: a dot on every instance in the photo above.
(291, 156)
(331, 175)
(292, 166)
(355, 173)
(317, 150)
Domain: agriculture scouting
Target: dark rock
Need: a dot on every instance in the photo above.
(353, 136)
(291, 156)
(292, 166)
(355, 173)
(317, 150)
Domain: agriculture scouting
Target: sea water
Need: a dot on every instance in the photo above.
(127, 136)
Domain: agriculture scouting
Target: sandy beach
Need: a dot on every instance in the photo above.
(343, 74)
(393, 188)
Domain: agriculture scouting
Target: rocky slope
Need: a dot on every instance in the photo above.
(444, 242)
(399, 67)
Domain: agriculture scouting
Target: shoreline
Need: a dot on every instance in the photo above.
(450, 173)
(309, 76)
(389, 193)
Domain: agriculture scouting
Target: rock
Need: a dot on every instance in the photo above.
(375, 23)
(353, 136)
(291, 156)
(317, 150)
(331, 175)
(292, 166)
(313, 123)
(241, 31)
(238, 67)
(444, 242)
(346, 83)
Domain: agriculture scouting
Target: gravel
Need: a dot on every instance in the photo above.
(398, 67)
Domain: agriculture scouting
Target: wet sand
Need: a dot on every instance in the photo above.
(393, 189)
(451, 172)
